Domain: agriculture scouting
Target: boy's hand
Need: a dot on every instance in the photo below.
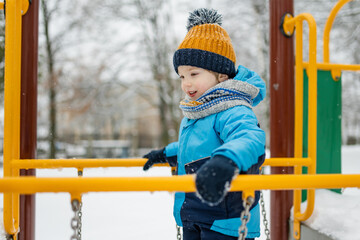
(213, 179)
(155, 156)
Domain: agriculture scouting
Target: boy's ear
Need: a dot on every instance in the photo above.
(222, 77)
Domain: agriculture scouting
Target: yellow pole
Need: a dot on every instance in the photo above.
(328, 25)
(312, 108)
(184, 183)
(336, 66)
(127, 162)
(299, 111)
(14, 9)
(312, 116)
(335, 73)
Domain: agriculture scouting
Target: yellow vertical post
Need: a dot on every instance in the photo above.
(312, 116)
(14, 11)
(299, 110)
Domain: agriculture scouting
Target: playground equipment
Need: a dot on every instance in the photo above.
(12, 185)
(330, 162)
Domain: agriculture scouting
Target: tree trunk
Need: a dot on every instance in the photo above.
(52, 135)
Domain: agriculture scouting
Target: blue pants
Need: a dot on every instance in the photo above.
(203, 232)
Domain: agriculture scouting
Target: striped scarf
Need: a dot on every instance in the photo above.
(221, 97)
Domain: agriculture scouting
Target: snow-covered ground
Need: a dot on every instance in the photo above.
(143, 215)
(337, 215)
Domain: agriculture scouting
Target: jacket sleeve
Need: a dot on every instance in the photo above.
(171, 152)
(243, 140)
(171, 149)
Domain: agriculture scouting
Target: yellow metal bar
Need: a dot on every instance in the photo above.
(312, 116)
(126, 162)
(312, 108)
(335, 66)
(312, 119)
(299, 111)
(14, 9)
(287, 162)
(79, 163)
(299, 91)
(185, 183)
(328, 25)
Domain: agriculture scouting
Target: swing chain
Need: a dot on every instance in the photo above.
(263, 212)
(80, 174)
(9, 237)
(178, 232)
(75, 221)
(245, 217)
(80, 220)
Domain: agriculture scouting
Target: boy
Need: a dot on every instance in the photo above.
(219, 136)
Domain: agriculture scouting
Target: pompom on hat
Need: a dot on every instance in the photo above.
(206, 45)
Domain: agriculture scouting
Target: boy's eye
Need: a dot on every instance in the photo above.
(194, 74)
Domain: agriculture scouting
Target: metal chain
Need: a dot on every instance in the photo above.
(245, 217)
(80, 221)
(80, 174)
(263, 212)
(178, 232)
(75, 221)
(9, 237)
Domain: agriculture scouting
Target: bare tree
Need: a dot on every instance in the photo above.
(345, 41)
(261, 10)
(55, 30)
(156, 43)
(155, 17)
(47, 18)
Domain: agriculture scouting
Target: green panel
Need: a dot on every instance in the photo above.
(328, 123)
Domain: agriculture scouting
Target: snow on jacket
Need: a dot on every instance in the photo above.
(233, 133)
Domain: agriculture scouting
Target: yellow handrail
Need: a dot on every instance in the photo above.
(184, 183)
(328, 25)
(335, 68)
(126, 162)
(297, 22)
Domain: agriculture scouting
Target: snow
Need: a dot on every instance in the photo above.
(337, 215)
(144, 215)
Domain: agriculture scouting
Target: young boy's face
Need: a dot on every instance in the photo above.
(196, 81)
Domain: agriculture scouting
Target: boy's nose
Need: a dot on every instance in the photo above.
(186, 82)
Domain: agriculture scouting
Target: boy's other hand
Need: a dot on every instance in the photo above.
(213, 179)
(155, 156)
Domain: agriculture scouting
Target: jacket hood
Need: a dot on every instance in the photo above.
(246, 75)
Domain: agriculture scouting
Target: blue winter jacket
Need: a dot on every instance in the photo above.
(233, 133)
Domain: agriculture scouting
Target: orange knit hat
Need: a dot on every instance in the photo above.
(206, 45)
